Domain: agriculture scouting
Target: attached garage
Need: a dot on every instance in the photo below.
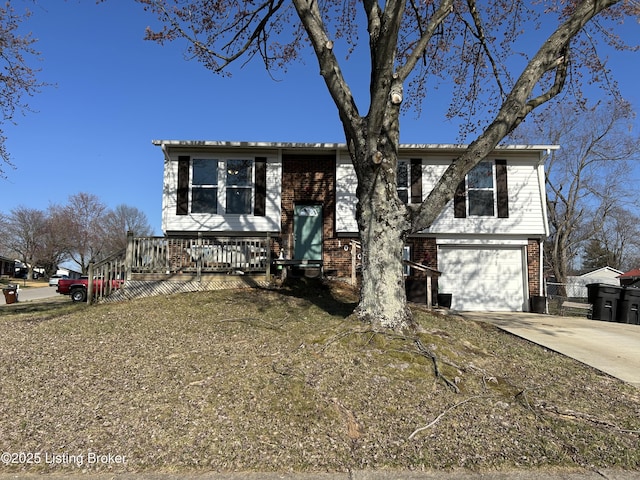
(484, 278)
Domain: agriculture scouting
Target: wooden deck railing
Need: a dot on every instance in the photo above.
(173, 255)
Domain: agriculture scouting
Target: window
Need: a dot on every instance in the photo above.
(239, 184)
(204, 186)
(480, 190)
(406, 255)
(409, 180)
(484, 192)
(403, 181)
(218, 183)
(213, 186)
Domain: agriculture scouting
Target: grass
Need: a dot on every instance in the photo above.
(287, 380)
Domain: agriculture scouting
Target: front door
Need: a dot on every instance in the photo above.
(307, 232)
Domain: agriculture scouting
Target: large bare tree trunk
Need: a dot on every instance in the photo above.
(382, 221)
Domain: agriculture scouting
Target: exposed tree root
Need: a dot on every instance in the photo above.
(425, 352)
(421, 349)
(554, 409)
(252, 322)
(439, 417)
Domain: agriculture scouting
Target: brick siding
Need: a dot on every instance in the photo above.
(424, 250)
(310, 179)
(533, 266)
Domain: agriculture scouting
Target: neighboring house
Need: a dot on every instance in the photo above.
(577, 285)
(632, 277)
(487, 242)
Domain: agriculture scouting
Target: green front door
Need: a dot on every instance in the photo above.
(307, 231)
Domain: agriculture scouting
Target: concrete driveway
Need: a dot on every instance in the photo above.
(613, 348)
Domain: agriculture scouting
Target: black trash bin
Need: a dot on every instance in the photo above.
(538, 304)
(10, 294)
(445, 300)
(629, 311)
(605, 299)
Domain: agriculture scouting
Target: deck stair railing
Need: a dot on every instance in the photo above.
(108, 276)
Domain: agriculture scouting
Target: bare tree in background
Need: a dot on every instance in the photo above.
(617, 242)
(23, 231)
(17, 78)
(54, 249)
(83, 231)
(122, 220)
(587, 178)
(495, 78)
(83, 220)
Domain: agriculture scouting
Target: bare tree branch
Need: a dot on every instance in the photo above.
(311, 19)
(444, 10)
(551, 56)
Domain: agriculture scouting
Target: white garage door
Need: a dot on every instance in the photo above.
(483, 278)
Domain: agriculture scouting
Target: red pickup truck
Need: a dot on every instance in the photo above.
(77, 287)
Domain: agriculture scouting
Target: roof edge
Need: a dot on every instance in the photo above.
(335, 146)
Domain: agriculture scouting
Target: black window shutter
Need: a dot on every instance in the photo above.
(416, 180)
(460, 201)
(502, 191)
(260, 207)
(182, 206)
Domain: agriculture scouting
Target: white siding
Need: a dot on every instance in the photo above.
(222, 223)
(526, 210)
(346, 183)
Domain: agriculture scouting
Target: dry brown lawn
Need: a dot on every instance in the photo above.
(287, 380)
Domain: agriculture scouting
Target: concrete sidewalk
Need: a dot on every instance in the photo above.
(613, 348)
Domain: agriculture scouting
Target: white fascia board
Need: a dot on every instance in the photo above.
(403, 148)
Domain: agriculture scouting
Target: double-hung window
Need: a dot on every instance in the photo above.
(481, 189)
(232, 186)
(221, 186)
(484, 192)
(409, 180)
(239, 186)
(204, 186)
(403, 181)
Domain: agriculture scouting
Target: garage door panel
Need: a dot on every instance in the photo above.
(482, 279)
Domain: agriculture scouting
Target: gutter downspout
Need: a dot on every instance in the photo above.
(167, 163)
(545, 215)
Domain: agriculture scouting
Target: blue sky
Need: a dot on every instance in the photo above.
(112, 93)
